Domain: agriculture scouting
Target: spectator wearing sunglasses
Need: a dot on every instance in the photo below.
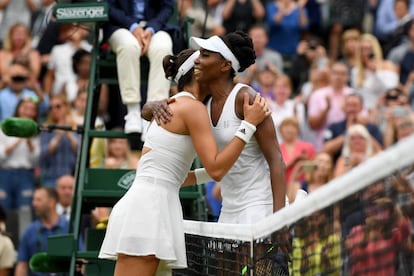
(17, 89)
(58, 148)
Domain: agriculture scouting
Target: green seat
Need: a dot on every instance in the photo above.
(98, 187)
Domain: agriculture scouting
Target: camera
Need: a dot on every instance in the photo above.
(399, 111)
(309, 166)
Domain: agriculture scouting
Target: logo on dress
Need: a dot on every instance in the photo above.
(126, 180)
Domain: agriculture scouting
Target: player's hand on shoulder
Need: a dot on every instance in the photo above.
(257, 111)
(161, 111)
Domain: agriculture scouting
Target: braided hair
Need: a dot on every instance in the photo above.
(241, 45)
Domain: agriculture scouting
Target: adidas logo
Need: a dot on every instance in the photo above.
(243, 130)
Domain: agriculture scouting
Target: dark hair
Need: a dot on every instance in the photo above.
(3, 215)
(77, 57)
(393, 93)
(171, 63)
(50, 191)
(23, 100)
(260, 26)
(241, 46)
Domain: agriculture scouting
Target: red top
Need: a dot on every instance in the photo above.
(300, 146)
(378, 257)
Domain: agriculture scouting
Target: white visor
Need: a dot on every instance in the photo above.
(216, 44)
(186, 66)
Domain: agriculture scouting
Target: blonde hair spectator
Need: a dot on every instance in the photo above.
(358, 147)
(361, 130)
(17, 49)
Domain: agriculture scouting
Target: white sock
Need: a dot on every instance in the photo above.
(134, 107)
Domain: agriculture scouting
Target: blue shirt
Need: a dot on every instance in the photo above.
(35, 240)
(9, 101)
(386, 21)
(336, 129)
(139, 6)
(61, 162)
(139, 13)
(406, 66)
(284, 36)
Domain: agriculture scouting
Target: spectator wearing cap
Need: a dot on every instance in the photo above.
(17, 89)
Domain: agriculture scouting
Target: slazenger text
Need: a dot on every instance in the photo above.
(80, 12)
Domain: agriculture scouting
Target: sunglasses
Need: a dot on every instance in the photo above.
(19, 78)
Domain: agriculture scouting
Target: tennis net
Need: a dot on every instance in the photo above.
(357, 224)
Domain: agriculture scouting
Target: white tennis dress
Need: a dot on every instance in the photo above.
(246, 189)
(148, 219)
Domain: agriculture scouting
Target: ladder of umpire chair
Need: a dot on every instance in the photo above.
(99, 187)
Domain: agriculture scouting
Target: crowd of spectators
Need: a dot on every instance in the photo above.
(338, 76)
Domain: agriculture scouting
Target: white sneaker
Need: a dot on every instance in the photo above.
(133, 123)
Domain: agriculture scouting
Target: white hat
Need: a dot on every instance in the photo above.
(216, 44)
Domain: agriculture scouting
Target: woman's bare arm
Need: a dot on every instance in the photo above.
(197, 121)
(266, 138)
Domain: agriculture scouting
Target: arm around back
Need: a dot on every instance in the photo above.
(197, 121)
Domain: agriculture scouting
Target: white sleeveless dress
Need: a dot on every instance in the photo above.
(246, 188)
(148, 219)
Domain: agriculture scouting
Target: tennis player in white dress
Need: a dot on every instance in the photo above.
(145, 230)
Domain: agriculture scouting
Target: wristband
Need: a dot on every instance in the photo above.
(202, 176)
(245, 131)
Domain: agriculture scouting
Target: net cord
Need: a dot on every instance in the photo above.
(374, 169)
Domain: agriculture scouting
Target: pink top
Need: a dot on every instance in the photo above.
(317, 104)
(376, 258)
(300, 146)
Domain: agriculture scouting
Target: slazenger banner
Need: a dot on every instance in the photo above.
(81, 12)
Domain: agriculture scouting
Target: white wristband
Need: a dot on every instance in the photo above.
(202, 176)
(245, 131)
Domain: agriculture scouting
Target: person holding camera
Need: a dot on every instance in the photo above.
(293, 148)
(372, 75)
(310, 54)
(309, 175)
(394, 111)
